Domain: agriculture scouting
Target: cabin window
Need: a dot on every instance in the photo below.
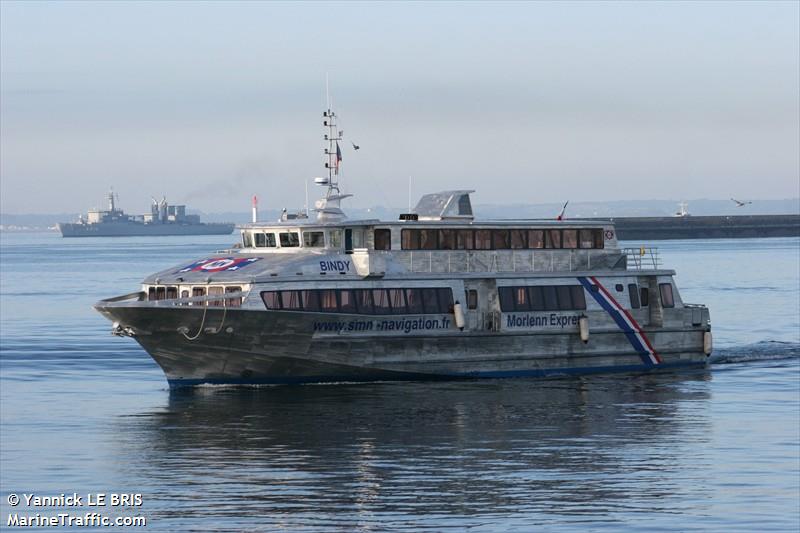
(414, 300)
(184, 294)
(472, 299)
(667, 298)
(327, 301)
(633, 291)
(570, 238)
(265, 240)
(290, 300)
(429, 301)
(501, 239)
(599, 241)
(542, 298)
(447, 239)
(427, 239)
(518, 240)
(618, 287)
(313, 239)
(645, 296)
(445, 300)
(198, 291)
(398, 301)
(247, 239)
(347, 302)
(578, 297)
(537, 298)
(409, 239)
(552, 238)
(234, 302)
(550, 297)
(172, 293)
(535, 238)
(483, 239)
(290, 239)
(216, 291)
(310, 300)
(380, 298)
(335, 236)
(364, 301)
(271, 299)
(151, 294)
(161, 293)
(383, 239)
(465, 239)
(586, 238)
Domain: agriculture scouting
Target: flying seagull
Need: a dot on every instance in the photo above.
(740, 204)
(355, 146)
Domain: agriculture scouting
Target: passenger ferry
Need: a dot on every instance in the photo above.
(434, 295)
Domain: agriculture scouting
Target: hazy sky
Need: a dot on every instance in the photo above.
(209, 102)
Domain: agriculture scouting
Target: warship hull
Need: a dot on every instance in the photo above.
(142, 230)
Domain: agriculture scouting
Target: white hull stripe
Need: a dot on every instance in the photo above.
(624, 320)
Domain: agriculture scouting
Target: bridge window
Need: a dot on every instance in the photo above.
(667, 298)
(265, 240)
(289, 239)
(313, 239)
(427, 239)
(383, 239)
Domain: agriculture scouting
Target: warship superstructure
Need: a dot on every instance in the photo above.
(163, 219)
(434, 295)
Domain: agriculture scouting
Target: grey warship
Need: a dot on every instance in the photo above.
(434, 295)
(163, 219)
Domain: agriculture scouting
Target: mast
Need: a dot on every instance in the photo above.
(329, 208)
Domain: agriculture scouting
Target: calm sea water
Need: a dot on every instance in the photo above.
(704, 450)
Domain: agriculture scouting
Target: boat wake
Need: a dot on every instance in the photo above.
(759, 351)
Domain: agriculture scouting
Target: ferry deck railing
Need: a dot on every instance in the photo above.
(642, 258)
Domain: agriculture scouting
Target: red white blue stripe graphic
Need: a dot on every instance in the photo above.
(624, 320)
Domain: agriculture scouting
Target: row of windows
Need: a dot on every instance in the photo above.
(362, 301)
(500, 239)
(542, 298)
(171, 293)
(289, 239)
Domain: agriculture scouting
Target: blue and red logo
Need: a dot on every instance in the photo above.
(219, 264)
(624, 320)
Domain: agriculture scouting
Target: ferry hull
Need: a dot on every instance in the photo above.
(256, 347)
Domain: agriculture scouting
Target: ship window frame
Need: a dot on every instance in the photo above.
(501, 239)
(578, 298)
(161, 293)
(414, 295)
(599, 238)
(314, 239)
(397, 300)
(518, 239)
(151, 294)
(586, 238)
(667, 295)
(235, 301)
(216, 290)
(539, 239)
(350, 308)
(483, 239)
(472, 298)
(247, 239)
(445, 296)
(268, 239)
(430, 301)
(569, 239)
(288, 298)
(335, 238)
(536, 298)
(171, 292)
(382, 239)
(409, 239)
(310, 300)
(361, 297)
(428, 239)
(550, 297)
(271, 299)
(289, 239)
(633, 292)
(552, 239)
(465, 239)
(385, 307)
(447, 239)
(328, 300)
(644, 296)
